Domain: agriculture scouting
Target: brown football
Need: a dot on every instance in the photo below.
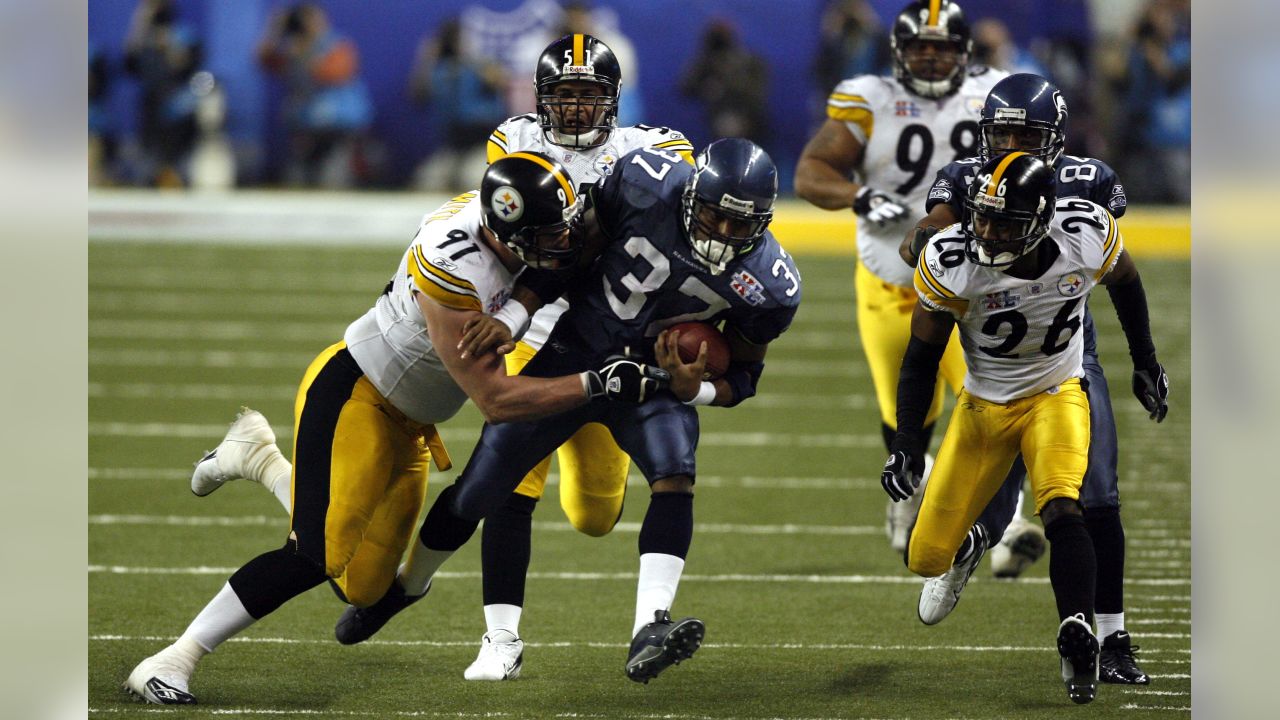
(692, 335)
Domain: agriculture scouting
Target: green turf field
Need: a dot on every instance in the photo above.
(808, 612)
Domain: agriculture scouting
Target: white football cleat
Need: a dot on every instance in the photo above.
(899, 517)
(1021, 546)
(500, 658)
(940, 594)
(162, 679)
(249, 435)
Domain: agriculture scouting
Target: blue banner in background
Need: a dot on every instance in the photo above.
(665, 34)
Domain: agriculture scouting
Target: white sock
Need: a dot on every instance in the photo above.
(1017, 509)
(280, 482)
(656, 587)
(1108, 623)
(503, 617)
(222, 618)
(416, 573)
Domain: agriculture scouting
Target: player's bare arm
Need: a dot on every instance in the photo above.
(939, 217)
(501, 398)
(828, 159)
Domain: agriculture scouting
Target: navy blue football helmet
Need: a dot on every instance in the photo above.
(728, 201)
(1012, 197)
(1029, 101)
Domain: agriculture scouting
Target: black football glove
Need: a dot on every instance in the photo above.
(876, 206)
(1151, 387)
(904, 468)
(626, 380)
(919, 240)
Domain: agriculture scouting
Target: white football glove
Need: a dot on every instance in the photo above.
(877, 206)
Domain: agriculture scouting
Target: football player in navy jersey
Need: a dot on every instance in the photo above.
(1026, 112)
(672, 244)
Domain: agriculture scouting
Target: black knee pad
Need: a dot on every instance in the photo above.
(273, 578)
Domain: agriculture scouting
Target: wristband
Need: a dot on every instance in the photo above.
(514, 315)
(706, 394)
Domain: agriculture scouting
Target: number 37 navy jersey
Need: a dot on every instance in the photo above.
(648, 279)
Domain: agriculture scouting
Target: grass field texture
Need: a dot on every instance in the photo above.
(808, 612)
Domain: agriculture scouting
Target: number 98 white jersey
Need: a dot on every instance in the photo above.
(906, 139)
(1022, 337)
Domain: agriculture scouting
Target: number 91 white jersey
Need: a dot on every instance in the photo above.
(906, 139)
(1022, 337)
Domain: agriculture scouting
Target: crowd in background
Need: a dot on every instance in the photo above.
(1130, 101)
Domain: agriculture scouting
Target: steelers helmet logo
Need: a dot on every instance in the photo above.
(507, 203)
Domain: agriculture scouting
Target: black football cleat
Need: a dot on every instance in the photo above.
(1079, 651)
(1118, 664)
(359, 624)
(663, 643)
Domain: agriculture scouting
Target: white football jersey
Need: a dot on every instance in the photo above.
(1022, 337)
(585, 166)
(906, 139)
(451, 264)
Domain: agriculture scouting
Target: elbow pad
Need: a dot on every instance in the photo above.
(742, 378)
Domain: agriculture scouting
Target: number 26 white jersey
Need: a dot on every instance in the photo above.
(1022, 337)
(906, 139)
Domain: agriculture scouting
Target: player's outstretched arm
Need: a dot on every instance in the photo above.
(1150, 382)
(930, 331)
(500, 398)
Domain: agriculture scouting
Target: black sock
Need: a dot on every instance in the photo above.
(505, 545)
(1107, 534)
(444, 530)
(274, 578)
(668, 524)
(1072, 567)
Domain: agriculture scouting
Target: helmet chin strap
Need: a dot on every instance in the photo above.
(570, 140)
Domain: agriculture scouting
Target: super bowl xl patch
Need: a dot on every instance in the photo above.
(747, 287)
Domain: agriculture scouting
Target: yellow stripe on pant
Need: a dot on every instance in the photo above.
(884, 326)
(359, 476)
(1050, 429)
(593, 469)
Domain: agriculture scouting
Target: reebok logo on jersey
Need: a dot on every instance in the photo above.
(906, 108)
(747, 287)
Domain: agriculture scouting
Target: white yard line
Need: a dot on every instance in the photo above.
(727, 577)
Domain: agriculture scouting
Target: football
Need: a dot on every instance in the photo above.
(692, 335)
